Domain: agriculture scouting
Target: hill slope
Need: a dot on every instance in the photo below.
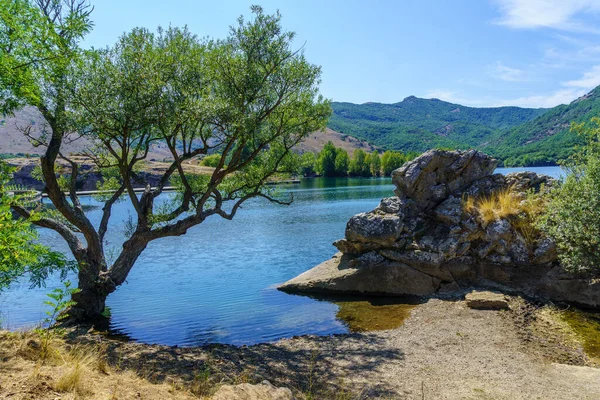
(12, 140)
(419, 124)
(547, 138)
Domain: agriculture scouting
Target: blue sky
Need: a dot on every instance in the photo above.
(530, 53)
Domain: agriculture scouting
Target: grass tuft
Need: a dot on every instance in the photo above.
(521, 212)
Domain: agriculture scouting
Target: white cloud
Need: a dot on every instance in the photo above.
(561, 96)
(508, 74)
(589, 80)
(557, 14)
(569, 91)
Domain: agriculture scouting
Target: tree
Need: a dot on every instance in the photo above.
(20, 254)
(341, 162)
(375, 164)
(392, 160)
(250, 98)
(326, 160)
(358, 162)
(308, 164)
(572, 217)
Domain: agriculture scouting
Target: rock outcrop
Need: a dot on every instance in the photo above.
(426, 241)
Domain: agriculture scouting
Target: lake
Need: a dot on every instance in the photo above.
(216, 284)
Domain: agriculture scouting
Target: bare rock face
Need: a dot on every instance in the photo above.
(436, 174)
(423, 241)
(246, 391)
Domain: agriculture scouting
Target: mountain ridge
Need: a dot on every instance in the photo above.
(518, 136)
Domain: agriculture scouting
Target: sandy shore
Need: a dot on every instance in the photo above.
(444, 350)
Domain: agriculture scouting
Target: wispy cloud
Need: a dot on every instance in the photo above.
(589, 80)
(508, 74)
(557, 14)
(548, 100)
(567, 92)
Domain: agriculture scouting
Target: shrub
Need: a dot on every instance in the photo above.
(573, 215)
(211, 160)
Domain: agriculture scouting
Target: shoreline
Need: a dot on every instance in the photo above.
(444, 350)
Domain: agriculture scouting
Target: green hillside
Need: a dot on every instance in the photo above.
(419, 124)
(547, 138)
(518, 136)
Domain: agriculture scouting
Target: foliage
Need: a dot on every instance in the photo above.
(517, 136)
(211, 160)
(59, 302)
(342, 161)
(419, 124)
(20, 254)
(326, 164)
(308, 163)
(573, 215)
(375, 164)
(250, 98)
(391, 160)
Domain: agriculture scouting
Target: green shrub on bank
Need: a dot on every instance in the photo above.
(572, 218)
(211, 160)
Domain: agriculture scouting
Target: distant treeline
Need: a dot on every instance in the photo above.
(334, 162)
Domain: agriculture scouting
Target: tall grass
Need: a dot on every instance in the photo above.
(521, 212)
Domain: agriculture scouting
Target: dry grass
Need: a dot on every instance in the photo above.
(521, 212)
(495, 206)
(39, 367)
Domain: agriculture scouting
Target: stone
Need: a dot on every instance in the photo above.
(432, 177)
(374, 227)
(449, 211)
(424, 261)
(545, 251)
(339, 275)
(451, 287)
(498, 230)
(486, 301)
(246, 391)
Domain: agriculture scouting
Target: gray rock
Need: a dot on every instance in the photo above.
(432, 177)
(424, 261)
(372, 227)
(337, 275)
(545, 251)
(449, 211)
(497, 230)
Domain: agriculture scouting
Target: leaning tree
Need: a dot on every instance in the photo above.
(249, 98)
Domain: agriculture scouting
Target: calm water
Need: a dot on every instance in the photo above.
(217, 283)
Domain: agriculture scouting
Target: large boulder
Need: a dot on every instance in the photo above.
(426, 241)
(431, 178)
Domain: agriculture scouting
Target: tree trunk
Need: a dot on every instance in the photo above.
(94, 287)
(96, 283)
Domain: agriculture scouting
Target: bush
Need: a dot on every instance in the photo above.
(573, 214)
(211, 160)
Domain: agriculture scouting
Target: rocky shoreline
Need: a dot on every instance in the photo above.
(426, 242)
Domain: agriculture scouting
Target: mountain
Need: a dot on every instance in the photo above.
(547, 138)
(517, 136)
(416, 124)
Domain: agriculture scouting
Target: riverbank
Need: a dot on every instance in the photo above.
(444, 350)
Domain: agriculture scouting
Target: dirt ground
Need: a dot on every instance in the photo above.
(443, 351)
